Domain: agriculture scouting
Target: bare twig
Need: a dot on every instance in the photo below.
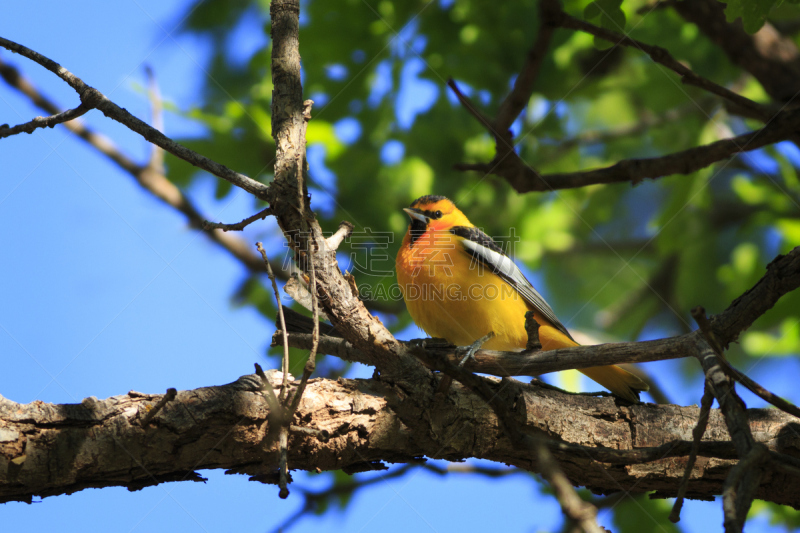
(168, 397)
(697, 436)
(239, 226)
(705, 326)
(507, 364)
(276, 412)
(469, 106)
(699, 315)
(44, 122)
(156, 183)
(523, 178)
(285, 366)
(92, 98)
(312, 355)
(760, 391)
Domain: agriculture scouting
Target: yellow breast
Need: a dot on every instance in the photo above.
(451, 296)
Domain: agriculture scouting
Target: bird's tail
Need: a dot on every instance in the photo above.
(620, 382)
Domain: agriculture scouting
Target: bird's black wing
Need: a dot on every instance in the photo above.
(483, 248)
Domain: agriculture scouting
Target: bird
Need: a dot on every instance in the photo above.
(459, 285)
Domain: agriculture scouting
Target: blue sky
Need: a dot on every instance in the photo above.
(106, 290)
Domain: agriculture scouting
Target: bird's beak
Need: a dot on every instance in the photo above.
(415, 215)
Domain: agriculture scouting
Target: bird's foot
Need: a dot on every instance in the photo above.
(472, 348)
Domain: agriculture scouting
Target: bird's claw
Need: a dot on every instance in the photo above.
(472, 348)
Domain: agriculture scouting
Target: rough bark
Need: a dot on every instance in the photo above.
(50, 449)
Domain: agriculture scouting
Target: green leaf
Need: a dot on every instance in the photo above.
(592, 10)
(752, 12)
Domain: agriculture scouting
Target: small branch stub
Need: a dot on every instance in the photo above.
(532, 329)
(168, 397)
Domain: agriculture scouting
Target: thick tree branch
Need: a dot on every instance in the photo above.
(302, 231)
(59, 449)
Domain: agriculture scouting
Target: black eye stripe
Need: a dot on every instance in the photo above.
(432, 214)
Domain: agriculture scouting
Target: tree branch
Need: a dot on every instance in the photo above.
(525, 179)
(150, 179)
(43, 122)
(663, 57)
(340, 302)
(508, 164)
(94, 99)
(518, 98)
(59, 449)
(239, 226)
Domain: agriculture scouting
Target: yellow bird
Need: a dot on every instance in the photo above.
(459, 285)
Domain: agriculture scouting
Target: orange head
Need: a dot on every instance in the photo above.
(432, 213)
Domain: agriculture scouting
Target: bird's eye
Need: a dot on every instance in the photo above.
(437, 214)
